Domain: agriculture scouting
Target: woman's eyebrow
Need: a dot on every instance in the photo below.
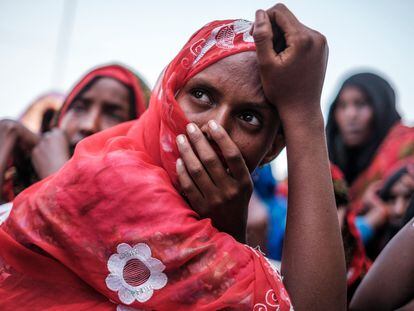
(199, 80)
(262, 105)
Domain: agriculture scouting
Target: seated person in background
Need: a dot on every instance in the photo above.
(104, 97)
(112, 229)
(385, 208)
(39, 115)
(365, 134)
(267, 214)
(389, 285)
(357, 264)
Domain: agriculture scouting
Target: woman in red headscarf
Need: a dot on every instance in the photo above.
(104, 97)
(111, 228)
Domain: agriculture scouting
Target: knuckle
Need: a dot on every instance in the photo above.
(196, 137)
(305, 40)
(234, 157)
(261, 33)
(321, 39)
(210, 161)
(196, 171)
(216, 201)
(232, 193)
(186, 187)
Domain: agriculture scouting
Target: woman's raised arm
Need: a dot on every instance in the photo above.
(313, 262)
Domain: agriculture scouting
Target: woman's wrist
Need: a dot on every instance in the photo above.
(310, 119)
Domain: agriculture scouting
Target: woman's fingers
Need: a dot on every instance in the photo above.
(190, 190)
(207, 155)
(263, 38)
(231, 153)
(194, 167)
(284, 18)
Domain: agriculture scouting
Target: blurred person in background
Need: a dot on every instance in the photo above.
(104, 97)
(273, 218)
(39, 115)
(266, 220)
(366, 138)
(385, 209)
(389, 285)
(357, 263)
(365, 134)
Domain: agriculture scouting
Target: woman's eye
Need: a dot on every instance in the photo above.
(361, 103)
(78, 106)
(340, 105)
(201, 95)
(250, 118)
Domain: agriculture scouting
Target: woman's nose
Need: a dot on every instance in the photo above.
(351, 112)
(90, 124)
(222, 116)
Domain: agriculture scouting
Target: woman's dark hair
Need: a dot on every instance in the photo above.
(385, 192)
(381, 97)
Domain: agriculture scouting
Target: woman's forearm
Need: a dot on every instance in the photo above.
(313, 262)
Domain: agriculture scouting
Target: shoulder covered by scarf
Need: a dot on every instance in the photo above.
(396, 150)
(110, 228)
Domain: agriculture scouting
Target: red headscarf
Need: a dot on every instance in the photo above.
(117, 72)
(111, 228)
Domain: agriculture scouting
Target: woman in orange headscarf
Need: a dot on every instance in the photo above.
(111, 228)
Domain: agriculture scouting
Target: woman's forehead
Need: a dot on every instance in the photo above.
(239, 68)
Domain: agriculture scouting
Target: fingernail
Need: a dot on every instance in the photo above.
(181, 139)
(260, 14)
(179, 165)
(191, 128)
(213, 125)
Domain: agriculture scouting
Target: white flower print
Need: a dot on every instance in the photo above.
(134, 274)
(223, 37)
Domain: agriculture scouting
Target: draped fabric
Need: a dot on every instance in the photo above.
(16, 180)
(396, 150)
(110, 230)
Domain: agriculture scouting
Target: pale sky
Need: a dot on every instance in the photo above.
(37, 56)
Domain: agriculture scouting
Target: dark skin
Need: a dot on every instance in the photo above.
(380, 212)
(389, 284)
(105, 104)
(354, 116)
(239, 120)
(291, 81)
(401, 194)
